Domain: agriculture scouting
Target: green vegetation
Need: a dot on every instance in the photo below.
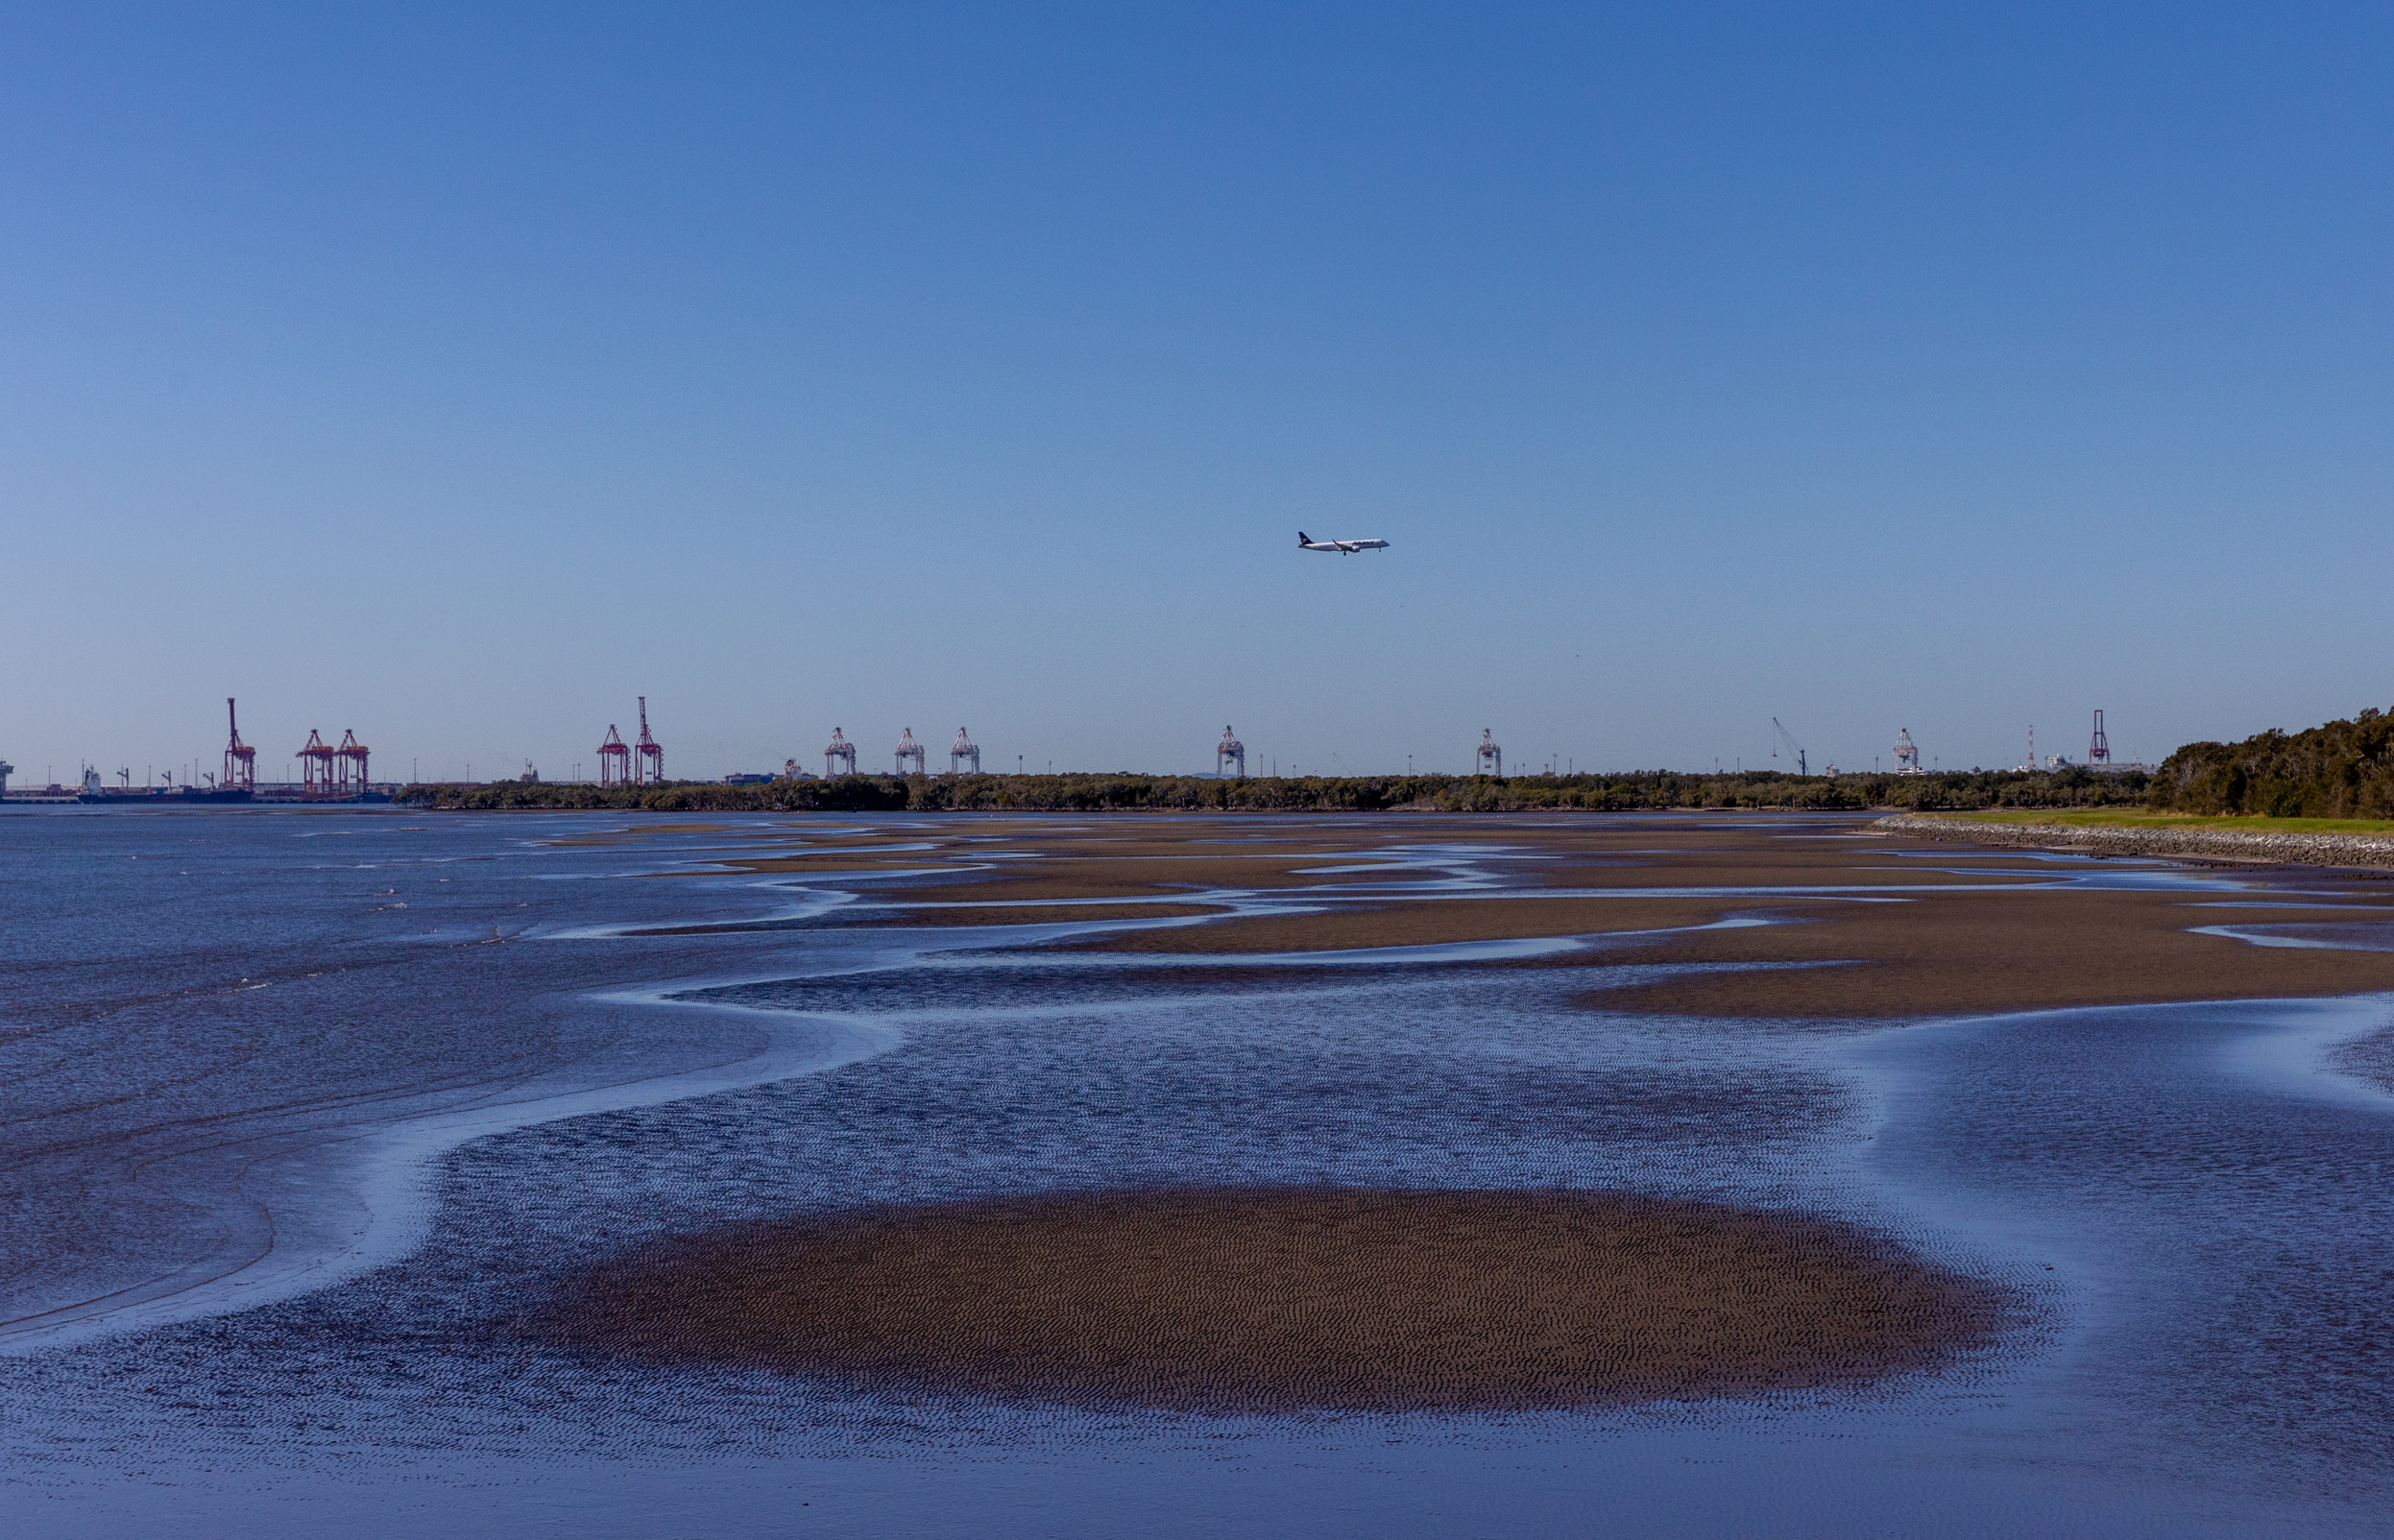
(2342, 770)
(1094, 793)
(2335, 779)
(2106, 818)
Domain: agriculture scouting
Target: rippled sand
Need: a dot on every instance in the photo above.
(1231, 1299)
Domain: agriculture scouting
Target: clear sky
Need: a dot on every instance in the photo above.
(456, 375)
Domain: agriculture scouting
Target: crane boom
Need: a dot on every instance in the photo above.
(1793, 747)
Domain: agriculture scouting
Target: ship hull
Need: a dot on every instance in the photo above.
(164, 796)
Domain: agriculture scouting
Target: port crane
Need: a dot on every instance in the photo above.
(240, 759)
(1793, 747)
(648, 754)
(1228, 752)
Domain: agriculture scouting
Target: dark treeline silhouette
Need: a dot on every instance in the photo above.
(2072, 787)
(2340, 770)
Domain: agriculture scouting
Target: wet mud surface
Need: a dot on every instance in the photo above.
(1240, 1300)
(1665, 1152)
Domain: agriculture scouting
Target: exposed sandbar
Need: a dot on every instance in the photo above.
(1428, 923)
(1980, 930)
(1285, 1299)
(1972, 952)
(1043, 914)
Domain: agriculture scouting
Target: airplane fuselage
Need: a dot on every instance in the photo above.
(1306, 542)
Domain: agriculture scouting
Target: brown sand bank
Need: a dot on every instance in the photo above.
(1138, 877)
(1986, 935)
(847, 863)
(1244, 1300)
(1554, 856)
(1428, 923)
(1970, 952)
(1991, 936)
(1842, 866)
(1048, 914)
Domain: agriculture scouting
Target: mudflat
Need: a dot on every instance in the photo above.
(1232, 1299)
(1282, 1299)
(1977, 953)
(1877, 926)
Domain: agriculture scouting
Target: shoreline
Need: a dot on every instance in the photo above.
(2223, 844)
(370, 1198)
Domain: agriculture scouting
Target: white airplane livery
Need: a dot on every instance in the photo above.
(1307, 542)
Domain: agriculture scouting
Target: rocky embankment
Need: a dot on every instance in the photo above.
(2228, 844)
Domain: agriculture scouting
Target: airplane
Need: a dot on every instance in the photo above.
(1307, 542)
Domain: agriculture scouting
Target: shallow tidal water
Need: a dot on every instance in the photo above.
(299, 1111)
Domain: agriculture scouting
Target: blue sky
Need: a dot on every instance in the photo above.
(457, 377)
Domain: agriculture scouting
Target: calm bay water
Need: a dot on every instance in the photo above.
(299, 1110)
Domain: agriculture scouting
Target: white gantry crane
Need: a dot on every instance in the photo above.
(962, 750)
(1491, 758)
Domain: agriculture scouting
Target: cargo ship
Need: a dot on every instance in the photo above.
(171, 796)
(94, 790)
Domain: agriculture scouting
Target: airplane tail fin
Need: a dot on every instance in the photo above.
(1303, 539)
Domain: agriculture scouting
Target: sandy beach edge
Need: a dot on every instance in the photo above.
(2235, 844)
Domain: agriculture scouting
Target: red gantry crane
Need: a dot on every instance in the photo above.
(316, 763)
(614, 759)
(350, 772)
(240, 759)
(648, 754)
